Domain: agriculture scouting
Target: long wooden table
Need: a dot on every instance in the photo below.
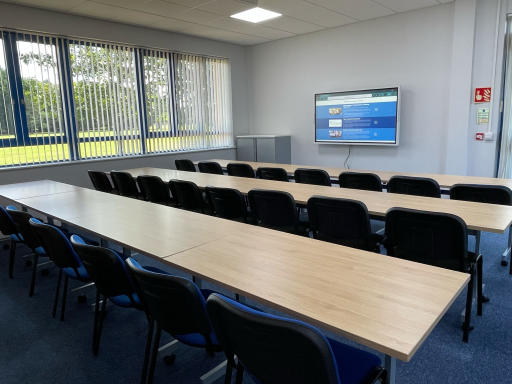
(387, 304)
(445, 181)
(478, 216)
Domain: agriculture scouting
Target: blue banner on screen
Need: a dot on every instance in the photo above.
(358, 117)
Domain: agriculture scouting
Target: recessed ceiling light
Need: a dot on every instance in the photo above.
(256, 15)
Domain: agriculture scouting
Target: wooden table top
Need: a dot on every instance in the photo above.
(445, 181)
(478, 216)
(146, 228)
(35, 188)
(387, 304)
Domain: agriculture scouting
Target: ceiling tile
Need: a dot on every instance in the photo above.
(226, 7)
(220, 34)
(90, 8)
(136, 17)
(123, 3)
(406, 5)
(60, 5)
(173, 25)
(234, 25)
(446, 1)
(161, 8)
(357, 9)
(285, 23)
(305, 11)
(190, 3)
(197, 16)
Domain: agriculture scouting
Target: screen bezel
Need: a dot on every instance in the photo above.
(371, 90)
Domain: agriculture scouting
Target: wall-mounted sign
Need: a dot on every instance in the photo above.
(483, 95)
(479, 136)
(483, 116)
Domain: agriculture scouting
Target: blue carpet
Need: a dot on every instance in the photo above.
(36, 348)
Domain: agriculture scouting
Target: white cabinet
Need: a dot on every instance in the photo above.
(264, 148)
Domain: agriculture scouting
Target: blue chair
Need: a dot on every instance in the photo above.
(107, 269)
(177, 306)
(8, 228)
(277, 350)
(60, 250)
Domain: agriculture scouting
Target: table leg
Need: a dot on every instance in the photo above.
(197, 282)
(477, 243)
(127, 252)
(50, 220)
(390, 365)
(24, 209)
(104, 243)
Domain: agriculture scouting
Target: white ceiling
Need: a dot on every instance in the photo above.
(210, 18)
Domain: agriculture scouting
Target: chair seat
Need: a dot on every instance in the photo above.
(124, 301)
(84, 276)
(353, 363)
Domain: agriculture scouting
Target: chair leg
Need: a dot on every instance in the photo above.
(96, 315)
(147, 352)
(229, 372)
(101, 317)
(57, 294)
(479, 267)
(64, 296)
(11, 258)
(33, 279)
(154, 354)
(469, 301)
(239, 373)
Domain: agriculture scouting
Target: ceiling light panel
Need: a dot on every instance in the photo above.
(256, 15)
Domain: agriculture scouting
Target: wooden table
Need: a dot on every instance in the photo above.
(478, 216)
(35, 188)
(387, 304)
(445, 181)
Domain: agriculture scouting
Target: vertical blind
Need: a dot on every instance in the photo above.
(63, 100)
(505, 155)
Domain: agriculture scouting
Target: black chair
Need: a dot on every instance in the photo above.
(228, 203)
(101, 182)
(437, 239)
(107, 269)
(210, 167)
(240, 170)
(488, 194)
(276, 210)
(417, 186)
(274, 349)
(30, 238)
(125, 184)
(342, 221)
(177, 306)
(185, 165)
(187, 195)
(360, 180)
(154, 190)
(268, 173)
(312, 176)
(8, 228)
(60, 250)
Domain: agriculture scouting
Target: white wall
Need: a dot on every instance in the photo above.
(33, 19)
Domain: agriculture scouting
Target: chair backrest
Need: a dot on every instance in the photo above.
(418, 186)
(312, 176)
(272, 348)
(340, 221)
(100, 181)
(7, 225)
(176, 304)
(125, 184)
(210, 167)
(154, 189)
(185, 165)
(438, 239)
(187, 195)
(227, 203)
(22, 220)
(240, 170)
(106, 268)
(360, 180)
(489, 194)
(274, 209)
(56, 245)
(268, 173)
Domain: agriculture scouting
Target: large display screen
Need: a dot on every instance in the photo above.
(368, 117)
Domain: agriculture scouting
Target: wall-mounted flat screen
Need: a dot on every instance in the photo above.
(367, 117)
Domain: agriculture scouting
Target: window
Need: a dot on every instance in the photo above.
(64, 100)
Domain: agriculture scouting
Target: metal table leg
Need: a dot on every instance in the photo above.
(390, 365)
